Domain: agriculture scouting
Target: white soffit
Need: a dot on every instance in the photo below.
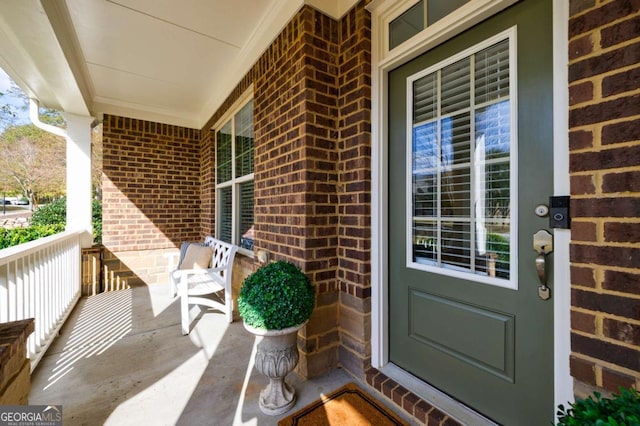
(160, 60)
(33, 58)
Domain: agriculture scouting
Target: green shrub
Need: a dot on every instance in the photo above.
(276, 296)
(97, 221)
(49, 214)
(56, 213)
(15, 236)
(621, 409)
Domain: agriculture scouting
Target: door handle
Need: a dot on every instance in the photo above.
(543, 245)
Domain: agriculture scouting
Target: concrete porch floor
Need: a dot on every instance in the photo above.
(121, 360)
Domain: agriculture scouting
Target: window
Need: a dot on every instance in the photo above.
(234, 178)
(413, 20)
(460, 181)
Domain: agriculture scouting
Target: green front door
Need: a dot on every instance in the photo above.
(470, 158)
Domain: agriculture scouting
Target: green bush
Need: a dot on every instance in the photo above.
(55, 213)
(49, 214)
(276, 296)
(621, 409)
(13, 237)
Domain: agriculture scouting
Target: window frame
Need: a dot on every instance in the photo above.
(512, 282)
(235, 182)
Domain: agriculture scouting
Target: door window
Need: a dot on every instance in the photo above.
(461, 178)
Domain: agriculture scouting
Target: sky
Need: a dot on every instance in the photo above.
(9, 99)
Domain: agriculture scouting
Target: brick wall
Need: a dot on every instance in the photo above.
(354, 190)
(296, 156)
(151, 197)
(312, 174)
(604, 120)
(208, 183)
(151, 184)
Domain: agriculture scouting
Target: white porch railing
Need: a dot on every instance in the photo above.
(41, 279)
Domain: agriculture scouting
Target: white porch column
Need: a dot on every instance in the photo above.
(79, 191)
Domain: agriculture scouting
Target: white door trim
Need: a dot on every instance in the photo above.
(383, 61)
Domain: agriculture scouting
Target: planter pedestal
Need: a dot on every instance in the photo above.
(276, 356)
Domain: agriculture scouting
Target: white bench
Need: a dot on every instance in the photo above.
(203, 269)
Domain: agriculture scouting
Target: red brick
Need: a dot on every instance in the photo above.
(583, 276)
(607, 303)
(621, 132)
(622, 82)
(583, 231)
(421, 411)
(622, 331)
(582, 184)
(435, 417)
(624, 282)
(388, 387)
(606, 207)
(580, 92)
(581, 321)
(613, 380)
(605, 14)
(578, 6)
(620, 32)
(605, 111)
(409, 402)
(625, 257)
(398, 394)
(620, 232)
(609, 61)
(151, 171)
(620, 355)
(583, 370)
(580, 139)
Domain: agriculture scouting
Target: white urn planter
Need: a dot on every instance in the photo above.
(276, 356)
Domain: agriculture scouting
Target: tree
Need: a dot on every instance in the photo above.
(32, 162)
(96, 161)
(14, 107)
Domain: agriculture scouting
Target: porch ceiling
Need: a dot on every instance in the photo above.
(161, 60)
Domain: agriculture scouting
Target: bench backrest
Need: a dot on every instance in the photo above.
(222, 257)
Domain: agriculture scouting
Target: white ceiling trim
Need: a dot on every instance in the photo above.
(155, 60)
(28, 48)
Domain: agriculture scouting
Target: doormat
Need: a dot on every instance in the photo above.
(348, 405)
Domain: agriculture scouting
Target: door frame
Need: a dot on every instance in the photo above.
(382, 62)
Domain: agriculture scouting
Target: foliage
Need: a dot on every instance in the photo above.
(15, 236)
(56, 213)
(32, 162)
(621, 409)
(276, 296)
(14, 107)
(53, 213)
(500, 245)
(96, 209)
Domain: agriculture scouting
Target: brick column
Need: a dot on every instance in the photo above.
(354, 190)
(15, 367)
(296, 206)
(604, 120)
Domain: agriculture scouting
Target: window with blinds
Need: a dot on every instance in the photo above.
(234, 178)
(460, 193)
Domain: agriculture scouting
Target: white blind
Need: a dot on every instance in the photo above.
(234, 178)
(223, 154)
(245, 219)
(225, 212)
(244, 140)
(461, 144)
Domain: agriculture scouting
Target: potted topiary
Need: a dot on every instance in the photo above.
(275, 302)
